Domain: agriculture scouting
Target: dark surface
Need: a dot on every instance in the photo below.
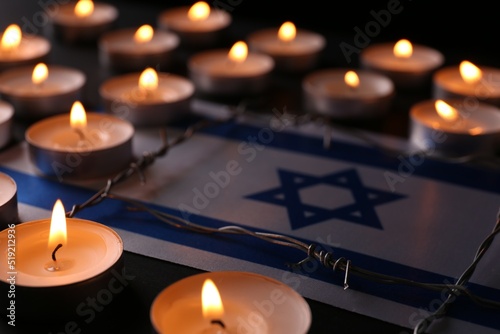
(460, 31)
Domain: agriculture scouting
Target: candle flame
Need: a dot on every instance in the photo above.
(211, 302)
(470, 73)
(403, 49)
(78, 117)
(40, 74)
(238, 52)
(84, 8)
(287, 32)
(58, 233)
(199, 11)
(144, 34)
(148, 80)
(447, 112)
(351, 79)
(11, 38)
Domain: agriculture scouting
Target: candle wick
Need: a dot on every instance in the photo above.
(218, 322)
(54, 252)
(80, 133)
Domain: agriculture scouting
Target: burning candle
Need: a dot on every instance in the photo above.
(469, 82)
(57, 263)
(348, 94)
(6, 116)
(197, 26)
(292, 50)
(229, 302)
(148, 98)
(41, 91)
(230, 72)
(8, 201)
(18, 50)
(81, 144)
(82, 21)
(136, 49)
(450, 128)
(407, 65)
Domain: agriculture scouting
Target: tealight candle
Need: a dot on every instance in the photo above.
(57, 264)
(82, 21)
(8, 201)
(407, 65)
(348, 94)
(6, 116)
(230, 72)
(448, 128)
(468, 81)
(17, 49)
(197, 26)
(229, 302)
(41, 91)
(147, 98)
(292, 50)
(136, 49)
(80, 145)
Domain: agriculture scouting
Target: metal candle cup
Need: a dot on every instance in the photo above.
(56, 149)
(214, 74)
(70, 28)
(170, 101)
(8, 201)
(35, 101)
(32, 50)
(478, 132)
(448, 84)
(119, 51)
(406, 73)
(6, 116)
(91, 264)
(178, 308)
(326, 93)
(195, 34)
(298, 55)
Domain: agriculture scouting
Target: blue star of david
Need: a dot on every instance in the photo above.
(362, 211)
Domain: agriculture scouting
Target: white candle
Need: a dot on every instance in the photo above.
(17, 49)
(448, 127)
(83, 20)
(56, 264)
(8, 201)
(99, 146)
(178, 308)
(135, 49)
(6, 117)
(229, 72)
(408, 65)
(163, 99)
(484, 86)
(292, 49)
(197, 25)
(329, 93)
(49, 95)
